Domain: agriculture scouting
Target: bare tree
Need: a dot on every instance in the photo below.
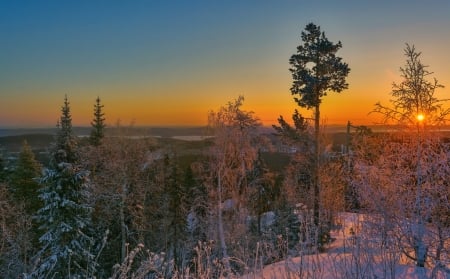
(16, 236)
(408, 172)
(414, 95)
(120, 169)
(387, 185)
(232, 157)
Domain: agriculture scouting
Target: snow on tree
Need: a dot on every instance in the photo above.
(262, 194)
(386, 180)
(415, 95)
(24, 189)
(123, 198)
(65, 147)
(232, 157)
(66, 247)
(299, 176)
(16, 239)
(403, 175)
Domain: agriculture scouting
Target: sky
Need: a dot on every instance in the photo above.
(171, 62)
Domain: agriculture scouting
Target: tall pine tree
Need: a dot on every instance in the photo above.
(316, 70)
(64, 217)
(98, 124)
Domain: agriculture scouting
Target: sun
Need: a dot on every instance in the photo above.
(420, 117)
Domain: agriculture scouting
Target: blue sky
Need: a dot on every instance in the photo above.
(169, 62)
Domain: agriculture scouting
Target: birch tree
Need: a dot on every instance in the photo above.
(410, 168)
(120, 169)
(16, 236)
(232, 157)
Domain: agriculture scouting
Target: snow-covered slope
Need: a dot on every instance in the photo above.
(348, 257)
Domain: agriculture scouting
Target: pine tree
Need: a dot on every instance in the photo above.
(316, 70)
(65, 217)
(98, 124)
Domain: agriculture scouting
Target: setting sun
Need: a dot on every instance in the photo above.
(420, 117)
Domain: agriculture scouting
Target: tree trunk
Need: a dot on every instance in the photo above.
(122, 223)
(420, 247)
(316, 204)
(223, 245)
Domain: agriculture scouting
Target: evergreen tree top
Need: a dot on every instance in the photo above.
(316, 69)
(27, 160)
(65, 148)
(98, 123)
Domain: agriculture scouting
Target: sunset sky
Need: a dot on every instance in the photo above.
(170, 62)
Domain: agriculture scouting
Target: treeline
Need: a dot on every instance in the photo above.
(100, 198)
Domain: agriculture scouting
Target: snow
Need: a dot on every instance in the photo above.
(344, 259)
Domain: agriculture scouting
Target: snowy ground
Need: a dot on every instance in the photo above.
(344, 260)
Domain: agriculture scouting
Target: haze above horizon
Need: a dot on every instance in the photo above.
(167, 63)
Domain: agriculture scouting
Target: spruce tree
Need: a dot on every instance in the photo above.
(24, 185)
(98, 124)
(176, 214)
(196, 205)
(262, 192)
(64, 217)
